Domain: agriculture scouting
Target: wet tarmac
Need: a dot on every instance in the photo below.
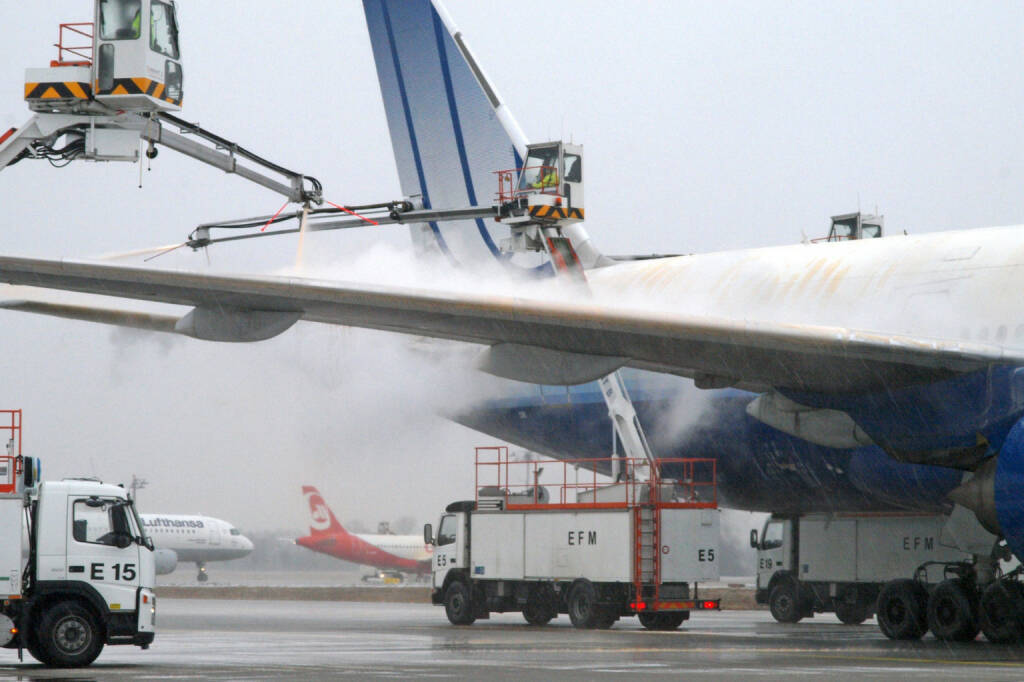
(257, 640)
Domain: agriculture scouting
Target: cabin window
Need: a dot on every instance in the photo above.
(772, 535)
(446, 533)
(573, 168)
(163, 29)
(100, 525)
(120, 19)
(540, 170)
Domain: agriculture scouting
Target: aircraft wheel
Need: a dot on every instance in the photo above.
(784, 603)
(1001, 612)
(202, 577)
(69, 636)
(902, 610)
(953, 611)
(541, 605)
(584, 611)
(458, 604)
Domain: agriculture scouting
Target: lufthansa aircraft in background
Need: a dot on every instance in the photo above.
(195, 539)
(405, 553)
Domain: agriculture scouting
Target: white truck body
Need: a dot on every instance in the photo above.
(597, 544)
(830, 555)
(601, 551)
(867, 548)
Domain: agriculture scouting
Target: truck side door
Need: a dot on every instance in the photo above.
(102, 551)
(446, 547)
(773, 550)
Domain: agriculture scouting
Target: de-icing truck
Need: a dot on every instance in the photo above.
(598, 551)
(76, 567)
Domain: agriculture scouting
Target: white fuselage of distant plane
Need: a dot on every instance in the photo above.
(196, 538)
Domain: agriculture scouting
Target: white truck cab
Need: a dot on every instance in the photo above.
(76, 567)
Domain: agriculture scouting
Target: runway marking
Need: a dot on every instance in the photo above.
(758, 650)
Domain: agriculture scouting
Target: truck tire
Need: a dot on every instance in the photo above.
(852, 613)
(458, 603)
(953, 611)
(69, 636)
(662, 621)
(902, 610)
(584, 611)
(1001, 612)
(784, 602)
(541, 605)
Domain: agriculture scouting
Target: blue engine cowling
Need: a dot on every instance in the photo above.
(1009, 490)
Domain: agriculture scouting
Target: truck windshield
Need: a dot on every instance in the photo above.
(120, 19)
(140, 526)
(772, 537)
(163, 30)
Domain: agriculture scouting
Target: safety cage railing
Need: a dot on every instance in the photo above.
(10, 459)
(508, 483)
(77, 31)
(508, 183)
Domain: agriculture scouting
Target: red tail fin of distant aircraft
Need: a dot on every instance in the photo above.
(321, 518)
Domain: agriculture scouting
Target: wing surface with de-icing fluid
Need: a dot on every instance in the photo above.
(786, 355)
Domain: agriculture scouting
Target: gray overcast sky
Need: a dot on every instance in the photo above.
(707, 126)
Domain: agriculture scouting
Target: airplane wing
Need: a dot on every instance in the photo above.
(717, 351)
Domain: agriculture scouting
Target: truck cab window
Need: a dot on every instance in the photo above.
(120, 19)
(772, 537)
(163, 33)
(446, 533)
(100, 525)
(541, 169)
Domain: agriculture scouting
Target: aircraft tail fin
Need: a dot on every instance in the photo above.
(321, 518)
(450, 129)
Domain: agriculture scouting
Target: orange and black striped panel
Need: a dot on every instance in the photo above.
(59, 90)
(140, 86)
(556, 212)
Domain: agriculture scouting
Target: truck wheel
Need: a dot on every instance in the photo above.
(902, 610)
(1002, 612)
(784, 602)
(69, 636)
(852, 613)
(662, 621)
(583, 608)
(953, 611)
(541, 605)
(458, 604)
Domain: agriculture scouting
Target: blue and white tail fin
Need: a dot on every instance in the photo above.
(449, 128)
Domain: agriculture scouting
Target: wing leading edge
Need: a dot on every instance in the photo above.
(715, 351)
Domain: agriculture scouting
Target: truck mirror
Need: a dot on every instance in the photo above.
(428, 534)
(94, 502)
(753, 538)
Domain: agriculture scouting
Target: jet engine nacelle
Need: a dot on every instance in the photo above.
(166, 560)
(996, 492)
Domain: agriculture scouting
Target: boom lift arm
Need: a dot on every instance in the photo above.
(99, 102)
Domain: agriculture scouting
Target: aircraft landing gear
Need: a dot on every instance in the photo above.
(202, 577)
